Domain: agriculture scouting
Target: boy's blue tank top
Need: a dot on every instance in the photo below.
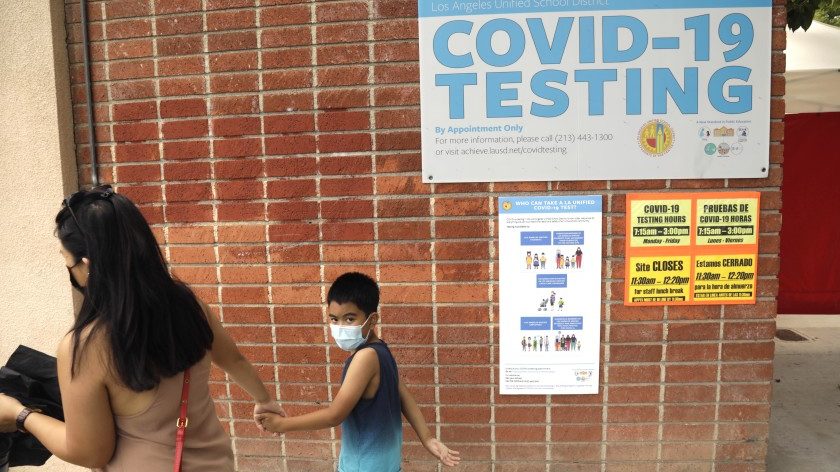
(371, 435)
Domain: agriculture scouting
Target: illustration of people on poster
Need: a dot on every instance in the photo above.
(550, 294)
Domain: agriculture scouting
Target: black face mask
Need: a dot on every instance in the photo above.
(73, 280)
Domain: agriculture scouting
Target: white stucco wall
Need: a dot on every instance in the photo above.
(37, 169)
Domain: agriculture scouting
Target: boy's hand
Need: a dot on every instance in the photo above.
(271, 422)
(447, 456)
(267, 407)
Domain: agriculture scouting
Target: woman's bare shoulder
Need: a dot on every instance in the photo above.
(89, 351)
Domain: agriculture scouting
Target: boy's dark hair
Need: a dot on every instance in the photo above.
(357, 288)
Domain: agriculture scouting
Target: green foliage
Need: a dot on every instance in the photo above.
(800, 13)
(829, 12)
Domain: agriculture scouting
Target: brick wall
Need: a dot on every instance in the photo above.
(274, 144)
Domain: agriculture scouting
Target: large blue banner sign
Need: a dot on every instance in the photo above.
(516, 90)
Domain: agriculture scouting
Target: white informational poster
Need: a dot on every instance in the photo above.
(549, 294)
(538, 90)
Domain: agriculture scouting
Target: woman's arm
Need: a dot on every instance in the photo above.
(86, 437)
(226, 355)
(362, 369)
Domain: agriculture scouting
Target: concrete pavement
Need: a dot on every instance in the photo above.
(805, 415)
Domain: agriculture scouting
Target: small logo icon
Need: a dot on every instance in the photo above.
(506, 206)
(710, 149)
(724, 132)
(583, 375)
(736, 149)
(743, 133)
(656, 138)
(723, 149)
(705, 133)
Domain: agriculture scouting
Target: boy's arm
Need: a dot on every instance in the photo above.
(363, 367)
(412, 413)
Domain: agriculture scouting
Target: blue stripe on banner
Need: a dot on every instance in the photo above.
(433, 8)
(550, 204)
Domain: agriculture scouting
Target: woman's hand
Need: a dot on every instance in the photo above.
(267, 407)
(9, 411)
(271, 422)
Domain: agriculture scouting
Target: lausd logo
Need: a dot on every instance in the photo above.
(583, 375)
(656, 138)
(506, 206)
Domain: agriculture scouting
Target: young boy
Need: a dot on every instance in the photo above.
(372, 396)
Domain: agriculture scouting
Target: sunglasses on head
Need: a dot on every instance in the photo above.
(102, 191)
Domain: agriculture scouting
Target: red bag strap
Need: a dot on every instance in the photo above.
(182, 423)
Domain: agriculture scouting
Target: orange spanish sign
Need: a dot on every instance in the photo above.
(691, 248)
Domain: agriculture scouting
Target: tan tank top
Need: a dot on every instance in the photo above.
(146, 441)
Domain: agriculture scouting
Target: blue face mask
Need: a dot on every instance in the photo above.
(349, 337)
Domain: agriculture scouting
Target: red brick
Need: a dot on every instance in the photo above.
(396, 73)
(289, 123)
(185, 129)
(239, 190)
(341, 33)
(328, 143)
(129, 49)
(182, 108)
(186, 149)
(292, 211)
(236, 126)
(230, 20)
(748, 351)
(234, 83)
(177, 6)
(168, 25)
(693, 331)
(749, 331)
(132, 28)
(241, 212)
(287, 102)
(395, 29)
(188, 213)
(239, 169)
(635, 353)
(291, 79)
(188, 192)
(285, 15)
(690, 373)
(180, 46)
(341, 75)
(636, 333)
(285, 37)
(241, 147)
(690, 394)
(293, 144)
(233, 41)
(349, 98)
(187, 171)
(181, 86)
(136, 152)
(691, 352)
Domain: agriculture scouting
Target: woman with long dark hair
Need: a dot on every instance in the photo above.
(134, 368)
